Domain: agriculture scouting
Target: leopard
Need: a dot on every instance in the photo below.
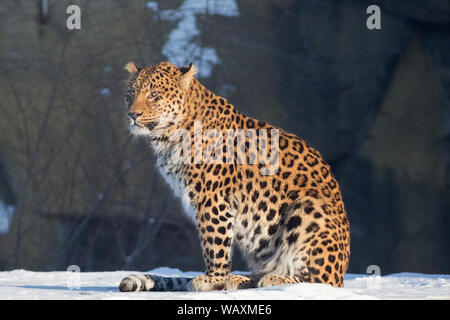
(285, 214)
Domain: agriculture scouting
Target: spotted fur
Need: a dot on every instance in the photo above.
(291, 225)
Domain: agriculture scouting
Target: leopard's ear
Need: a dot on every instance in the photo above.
(187, 74)
(131, 67)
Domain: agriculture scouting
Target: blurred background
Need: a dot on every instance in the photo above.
(75, 189)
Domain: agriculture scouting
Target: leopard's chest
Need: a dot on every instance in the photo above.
(174, 177)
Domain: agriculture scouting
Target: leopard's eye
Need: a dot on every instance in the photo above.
(153, 94)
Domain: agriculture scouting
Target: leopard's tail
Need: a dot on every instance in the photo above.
(150, 282)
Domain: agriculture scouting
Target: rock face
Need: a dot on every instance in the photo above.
(406, 153)
(376, 103)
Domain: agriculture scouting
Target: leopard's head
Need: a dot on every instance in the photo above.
(156, 95)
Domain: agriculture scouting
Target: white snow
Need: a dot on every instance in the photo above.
(105, 92)
(62, 285)
(6, 213)
(183, 45)
(152, 5)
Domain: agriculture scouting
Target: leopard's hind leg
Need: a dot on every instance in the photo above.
(314, 247)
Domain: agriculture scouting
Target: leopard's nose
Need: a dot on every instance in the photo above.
(134, 115)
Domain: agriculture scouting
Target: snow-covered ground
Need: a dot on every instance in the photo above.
(21, 284)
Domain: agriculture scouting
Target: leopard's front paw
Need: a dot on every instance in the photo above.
(207, 283)
(238, 281)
